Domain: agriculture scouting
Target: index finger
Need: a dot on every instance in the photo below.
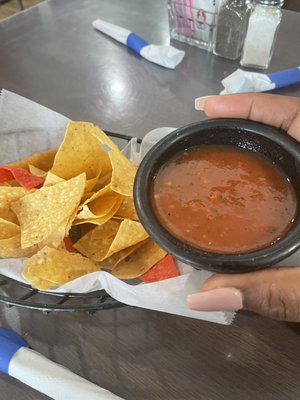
(279, 111)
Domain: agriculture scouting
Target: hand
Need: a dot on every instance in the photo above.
(273, 292)
(280, 111)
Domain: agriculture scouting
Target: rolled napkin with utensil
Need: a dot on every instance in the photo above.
(35, 370)
(166, 56)
(242, 81)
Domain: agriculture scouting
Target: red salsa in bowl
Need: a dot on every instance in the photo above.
(223, 199)
(222, 195)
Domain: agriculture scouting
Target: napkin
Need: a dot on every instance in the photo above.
(166, 56)
(27, 127)
(242, 81)
(35, 370)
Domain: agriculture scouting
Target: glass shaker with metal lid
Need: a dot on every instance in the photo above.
(231, 28)
(261, 34)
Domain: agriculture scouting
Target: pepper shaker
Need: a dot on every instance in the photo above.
(231, 28)
(261, 34)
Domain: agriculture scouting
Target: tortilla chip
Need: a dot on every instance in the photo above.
(9, 194)
(8, 215)
(20, 177)
(140, 261)
(36, 171)
(68, 244)
(103, 219)
(56, 238)
(99, 204)
(8, 229)
(129, 234)
(123, 173)
(42, 161)
(58, 266)
(88, 186)
(110, 262)
(96, 243)
(123, 170)
(80, 152)
(37, 282)
(52, 179)
(127, 209)
(42, 212)
(11, 247)
(113, 237)
(163, 269)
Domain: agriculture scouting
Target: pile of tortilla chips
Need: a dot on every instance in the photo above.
(79, 194)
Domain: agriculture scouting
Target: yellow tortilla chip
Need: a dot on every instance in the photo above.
(42, 212)
(36, 171)
(123, 174)
(52, 179)
(112, 241)
(42, 161)
(56, 237)
(140, 261)
(9, 194)
(123, 170)
(8, 215)
(103, 219)
(104, 139)
(127, 209)
(11, 247)
(37, 282)
(8, 229)
(58, 266)
(129, 234)
(88, 187)
(96, 243)
(80, 152)
(99, 204)
(110, 262)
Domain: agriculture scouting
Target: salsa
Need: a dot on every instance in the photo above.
(223, 200)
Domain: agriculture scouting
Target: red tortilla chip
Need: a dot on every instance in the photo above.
(23, 177)
(69, 245)
(164, 269)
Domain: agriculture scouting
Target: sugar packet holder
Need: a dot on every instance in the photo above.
(166, 56)
(32, 368)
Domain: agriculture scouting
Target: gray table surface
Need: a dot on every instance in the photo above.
(51, 54)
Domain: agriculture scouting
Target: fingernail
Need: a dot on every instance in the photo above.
(223, 299)
(200, 101)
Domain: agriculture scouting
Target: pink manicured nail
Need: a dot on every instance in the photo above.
(223, 299)
(200, 101)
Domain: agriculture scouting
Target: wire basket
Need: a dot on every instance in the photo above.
(15, 293)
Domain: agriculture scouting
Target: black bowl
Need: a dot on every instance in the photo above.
(270, 142)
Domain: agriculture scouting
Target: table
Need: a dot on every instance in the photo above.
(51, 54)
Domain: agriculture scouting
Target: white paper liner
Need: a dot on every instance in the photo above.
(27, 127)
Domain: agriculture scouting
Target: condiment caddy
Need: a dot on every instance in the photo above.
(228, 28)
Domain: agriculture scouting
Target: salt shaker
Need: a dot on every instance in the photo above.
(261, 33)
(231, 28)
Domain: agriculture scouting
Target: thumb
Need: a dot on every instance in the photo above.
(273, 293)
